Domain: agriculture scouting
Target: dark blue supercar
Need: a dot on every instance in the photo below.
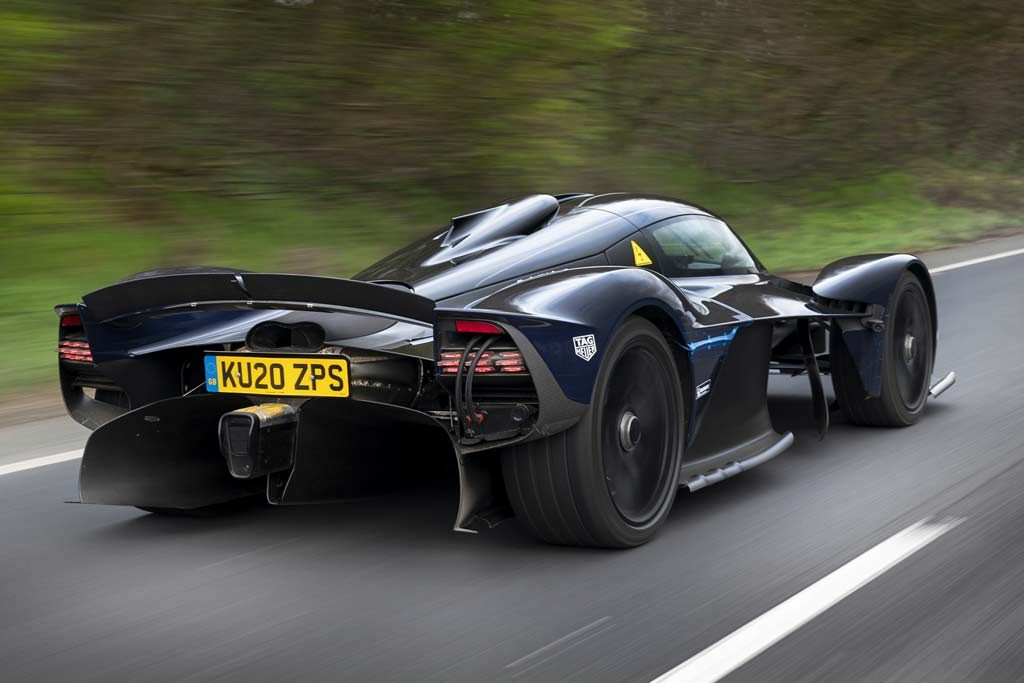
(574, 360)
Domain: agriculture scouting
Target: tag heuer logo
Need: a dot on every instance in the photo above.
(703, 389)
(585, 346)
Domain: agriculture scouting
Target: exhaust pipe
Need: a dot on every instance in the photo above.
(258, 440)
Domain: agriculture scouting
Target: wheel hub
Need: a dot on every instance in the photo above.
(629, 431)
(909, 349)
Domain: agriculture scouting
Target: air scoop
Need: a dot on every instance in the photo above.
(277, 336)
(494, 227)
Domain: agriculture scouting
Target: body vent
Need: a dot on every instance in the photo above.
(494, 227)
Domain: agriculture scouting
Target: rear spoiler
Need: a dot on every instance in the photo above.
(174, 293)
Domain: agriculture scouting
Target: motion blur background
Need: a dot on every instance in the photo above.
(317, 136)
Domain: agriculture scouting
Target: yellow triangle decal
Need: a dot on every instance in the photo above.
(640, 257)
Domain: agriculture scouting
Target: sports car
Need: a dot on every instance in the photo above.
(578, 359)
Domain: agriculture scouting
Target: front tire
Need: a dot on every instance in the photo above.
(908, 356)
(610, 480)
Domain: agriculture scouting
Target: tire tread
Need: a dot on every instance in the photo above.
(545, 505)
(557, 492)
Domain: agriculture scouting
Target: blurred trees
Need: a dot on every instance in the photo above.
(467, 97)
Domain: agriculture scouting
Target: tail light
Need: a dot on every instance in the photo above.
(485, 374)
(77, 351)
(476, 327)
(72, 344)
(92, 396)
(500, 362)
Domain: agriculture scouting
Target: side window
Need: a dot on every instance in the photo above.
(635, 250)
(690, 246)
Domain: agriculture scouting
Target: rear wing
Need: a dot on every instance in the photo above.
(176, 293)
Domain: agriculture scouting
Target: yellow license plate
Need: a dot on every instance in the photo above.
(277, 375)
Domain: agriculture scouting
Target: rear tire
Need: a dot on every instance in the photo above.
(907, 359)
(610, 480)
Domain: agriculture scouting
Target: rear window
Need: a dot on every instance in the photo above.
(690, 246)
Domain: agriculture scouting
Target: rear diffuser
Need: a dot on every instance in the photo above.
(163, 455)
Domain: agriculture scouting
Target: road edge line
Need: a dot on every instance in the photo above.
(45, 460)
(739, 647)
(976, 261)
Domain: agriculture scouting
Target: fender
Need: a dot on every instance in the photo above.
(547, 313)
(551, 309)
(871, 279)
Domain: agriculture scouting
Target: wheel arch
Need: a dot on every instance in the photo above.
(871, 279)
(552, 309)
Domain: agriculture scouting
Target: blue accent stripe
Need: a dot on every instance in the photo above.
(720, 339)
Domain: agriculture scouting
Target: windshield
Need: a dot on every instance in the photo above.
(690, 246)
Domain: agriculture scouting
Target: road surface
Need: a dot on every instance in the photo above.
(746, 581)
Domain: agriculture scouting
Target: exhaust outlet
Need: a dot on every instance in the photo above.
(258, 440)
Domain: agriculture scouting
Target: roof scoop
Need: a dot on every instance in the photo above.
(494, 227)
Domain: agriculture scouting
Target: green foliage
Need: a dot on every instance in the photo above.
(26, 41)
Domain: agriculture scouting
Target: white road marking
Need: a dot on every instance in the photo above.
(976, 261)
(39, 462)
(742, 645)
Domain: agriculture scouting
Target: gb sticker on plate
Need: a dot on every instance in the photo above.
(585, 346)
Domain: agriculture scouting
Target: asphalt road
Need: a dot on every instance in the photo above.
(382, 589)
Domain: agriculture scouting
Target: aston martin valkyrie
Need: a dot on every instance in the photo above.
(580, 358)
